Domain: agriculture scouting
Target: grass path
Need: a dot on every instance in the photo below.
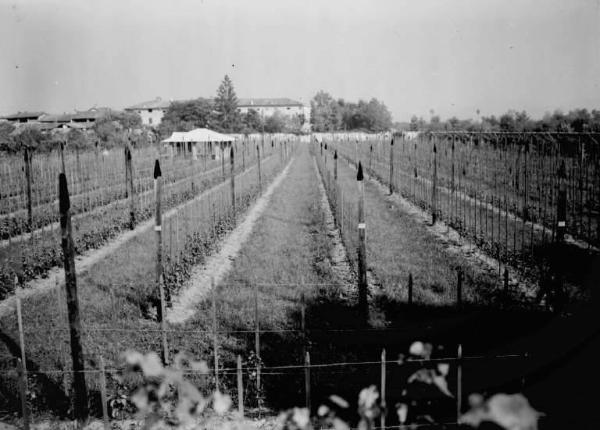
(217, 266)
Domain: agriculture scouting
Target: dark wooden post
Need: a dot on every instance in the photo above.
(240, 386)
(410, 289)
(561, 217)
(27, 156)
(222, 160)
(506, 291)
(129, 186)
(159, 269)
(243, 155)
(231, 163)
(391, 166)
(335, 158)
(362, 251)
(68, 249)
(259, 175)
(459, 289)
(370, 159)
(434, 187)
(215, 332)
(257, 343)
(307, 379)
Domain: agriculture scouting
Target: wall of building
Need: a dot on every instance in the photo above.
(151, 117)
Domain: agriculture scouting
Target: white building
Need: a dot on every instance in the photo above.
(151, 112)
(268, 107)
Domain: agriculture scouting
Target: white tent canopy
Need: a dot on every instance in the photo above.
(198, 135)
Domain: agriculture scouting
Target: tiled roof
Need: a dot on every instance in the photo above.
(24, 115)
(268, 102)
(157, 103)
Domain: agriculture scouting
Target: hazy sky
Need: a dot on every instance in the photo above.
(451, 56)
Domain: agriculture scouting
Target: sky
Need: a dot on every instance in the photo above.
(451, 57)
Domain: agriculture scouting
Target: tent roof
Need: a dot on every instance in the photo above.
(198, 135)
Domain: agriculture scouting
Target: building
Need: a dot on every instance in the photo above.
(23, 117)
(268, 107)
(151, 112)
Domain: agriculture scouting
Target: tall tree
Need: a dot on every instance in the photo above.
(226, 105)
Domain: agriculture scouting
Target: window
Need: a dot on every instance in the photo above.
(149, 110)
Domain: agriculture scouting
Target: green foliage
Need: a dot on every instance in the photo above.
(577, 120)
(6, 128)
(252, 121)
(331, 115)
(113, 129)
(29, 137)
(276, 123)
(186, 116)
(226, 113)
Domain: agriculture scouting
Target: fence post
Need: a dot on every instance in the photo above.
(370, 159)
(259, 175)
(103, 396)
(231, 163)
(68, 249)
(129, 186)
(257, 343)
(391, 166)
(27, 155)
(159, 270)
(23, 393)
(561, 217)
(410, 289)
(459, 382)
(383, 404)
(215, 339)
(307, 379)
(434, 187)
(362, 251)
(22, 363)
(459, 289)
(335, 158)
(240, 386)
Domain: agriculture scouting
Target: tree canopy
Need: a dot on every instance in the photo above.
(328, 114)
(225, 106)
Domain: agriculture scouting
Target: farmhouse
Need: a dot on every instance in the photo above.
(268, 107)
(151, 112)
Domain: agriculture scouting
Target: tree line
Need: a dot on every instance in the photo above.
(328, 114)
(577, 120)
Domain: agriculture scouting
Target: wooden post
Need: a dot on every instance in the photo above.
(257, 343)
(459, 289)
(335, 158)
(222, 159)
(459, 382)
(391, 167)
(159, 269)
(23, 393)
(410, 289)
(215, 334)
(307, 379)
(68, 249)
(231, 163)
(434, 187)
(243, 155)
(240, 386)
(103, 396)
(383, 404)
(129, 185)
(561, 216)
(27, 156)
(506, 291)
(362, 250)
(370, 159)
(22, 363)
(259, 175)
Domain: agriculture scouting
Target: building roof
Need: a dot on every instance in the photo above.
(64, 117)
(23, 115)
(157, 103)
(198, 135)
(268, 102)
